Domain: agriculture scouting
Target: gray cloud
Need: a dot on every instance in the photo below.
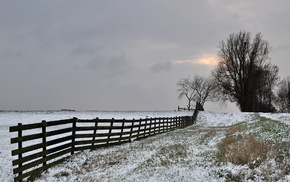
(120, 55)
(113, 66)
(161, 66)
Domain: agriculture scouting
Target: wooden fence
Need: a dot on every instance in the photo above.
(45, 144)
(185, 109)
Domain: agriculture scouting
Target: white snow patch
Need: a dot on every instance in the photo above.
(282, 117)
(211, 119)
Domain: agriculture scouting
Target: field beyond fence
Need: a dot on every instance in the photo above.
(45, 144)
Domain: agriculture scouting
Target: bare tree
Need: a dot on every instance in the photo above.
(283, 95)
(185, 90)
(241, 68)
(204, 88)
(265, 95)
(199, 89)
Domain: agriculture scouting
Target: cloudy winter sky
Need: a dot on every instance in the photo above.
(125, 54)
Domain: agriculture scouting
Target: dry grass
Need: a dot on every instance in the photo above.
(167, 155)
(241, 150)
(100, 161)
(207, 134)
(91, 164)
(281, 155)
(236, 128)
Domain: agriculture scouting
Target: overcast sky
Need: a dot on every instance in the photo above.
(123, 54)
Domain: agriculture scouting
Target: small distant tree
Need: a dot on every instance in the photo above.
(204, 88)
(199, 89)
(283, 96)
(185, 90)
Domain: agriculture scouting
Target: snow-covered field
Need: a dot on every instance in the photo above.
(12, 118)
(182, 155)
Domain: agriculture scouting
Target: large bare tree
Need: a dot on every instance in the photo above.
(243, 65)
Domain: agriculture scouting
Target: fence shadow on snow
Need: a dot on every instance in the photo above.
(45, 144)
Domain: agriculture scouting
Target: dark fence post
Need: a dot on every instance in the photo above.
(20, 147)
(44, 141)
(195, 115)
(155, 120)
(123, 124)
(110, 130)
(131, 131)
(139, 128)
(164, 125)
(159, 124)
(167, 125)
(183, 121)
(145, 127)
(95, 131)
(74, 126)
(161, 120)
(150, 126)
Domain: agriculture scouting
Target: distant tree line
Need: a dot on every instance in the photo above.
(244, 75)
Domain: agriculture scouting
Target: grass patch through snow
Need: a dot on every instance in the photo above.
(261, 147)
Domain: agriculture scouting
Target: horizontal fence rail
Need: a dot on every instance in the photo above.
(45, 144)
(185, 109)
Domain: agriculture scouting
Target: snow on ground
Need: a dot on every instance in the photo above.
(212, 119)
(181, 155)
(282, 117)
(12, 118)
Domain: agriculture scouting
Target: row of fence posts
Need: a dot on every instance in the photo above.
(46, 154)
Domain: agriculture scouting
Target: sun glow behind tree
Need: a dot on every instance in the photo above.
(206, 59)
